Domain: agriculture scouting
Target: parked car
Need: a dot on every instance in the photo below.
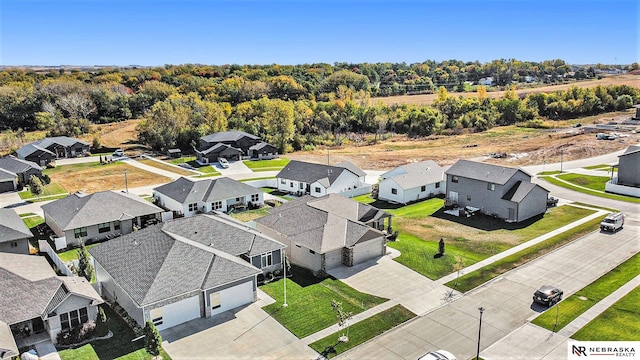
(223, 163)
(118, 153)
(547, 295)
(613, 222)
(438, 355)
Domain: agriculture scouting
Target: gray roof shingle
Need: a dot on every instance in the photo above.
(520, 190)
(228, 136)
(7, 175)
(186, 191)
(81, 210)
(16, 165)
(12, 227)
(29, 149)
(484, 172)
(311, 172)
(417, 174)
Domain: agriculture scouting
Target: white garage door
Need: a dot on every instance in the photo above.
(367, 250)
(179, 312)
(233, 297)
(333, 259)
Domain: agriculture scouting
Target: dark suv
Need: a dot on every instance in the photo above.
(547, 295)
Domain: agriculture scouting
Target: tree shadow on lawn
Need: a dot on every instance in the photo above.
(484, 222)
(304, 277)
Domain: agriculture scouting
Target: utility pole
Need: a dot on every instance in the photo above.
(561, 158)
(126, 183)
(285, 281)
(479, 332)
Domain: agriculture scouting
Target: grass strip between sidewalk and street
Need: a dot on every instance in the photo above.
(576, 304)
(478, 277)
(618, 323)
(583, 190)
(364, 330)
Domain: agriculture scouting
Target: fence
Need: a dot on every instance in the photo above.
(272, 183)
(356, 192)
(45, 247)
(613, 187)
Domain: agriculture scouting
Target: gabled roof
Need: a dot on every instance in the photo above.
(29, 149)
(633, 149)
(15, 165)
(228, 136)
(260, 146)
(155, 264)
(322, 224)
(417, 174)
(12, 227)
(35, 288)
(520, 190)
(80, 209)
(219, 147)
(351, 167)
(311, 172)
(186, 191)
(8, 347)
(7, 175)
(484, 172)
(64, 141)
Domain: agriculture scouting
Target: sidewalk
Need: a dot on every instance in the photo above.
(515, 249)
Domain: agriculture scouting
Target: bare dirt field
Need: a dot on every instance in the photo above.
(121, 134)
(426, 99)
(523, 146)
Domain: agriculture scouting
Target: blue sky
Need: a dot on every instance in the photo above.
(145, 32)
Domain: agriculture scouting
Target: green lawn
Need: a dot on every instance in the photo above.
(364, 330)
(72, 254)
(48, 190)
(590, 192)
(266, 165)
(576, 304)
(617, 323)
(592, 182)
(603, 167)
(32, 221)
(250, 215)
(184, 159)
(486, 273)
(309, 302)
(117, 347)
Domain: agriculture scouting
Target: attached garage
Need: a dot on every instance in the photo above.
(230, 298)
(368, 250)
(7, 185)
(176, 313)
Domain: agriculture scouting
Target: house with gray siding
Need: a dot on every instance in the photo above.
(302, 178)
(8, 181)
(629, 167)
(24, 169)
(185, 268)
(14, 234)
(98, 216)
(40, 304)
(46, 150)
(504, 192)
(188, 197)
(412, 182)
(327, 232)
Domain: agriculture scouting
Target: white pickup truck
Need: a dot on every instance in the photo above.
(613, 222)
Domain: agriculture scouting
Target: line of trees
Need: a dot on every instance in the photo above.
(292, 107)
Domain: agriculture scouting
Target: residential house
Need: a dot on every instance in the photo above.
(98, 216)
(174, 153)
(327, 232)
(299, 177)
(486, 81)
(60, 146)
(499, 191)
(412, 182)
(185, 268)
(263, 151)
(211, 154)
(23, 168)
(237, 139)
(8, 181)
(14, 234)
(39, 304)
(188, 197)
(629, 167)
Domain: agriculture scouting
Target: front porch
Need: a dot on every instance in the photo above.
(28, 333)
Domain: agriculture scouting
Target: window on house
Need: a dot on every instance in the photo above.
(291, 184)
(468, 197)
(255, 197)
(266, 260)
(301, 186)
(283, 181)
(193, 207)
(14, 244)
(437, 185)
(64, 321)
(73, 318)
(237, 199)
(216, 205)
(454, 179)
(394, 191)
(214, 300)
(318, 189)
(491, 187)
(80, 232)
(116, 225)
(156, 316)
(84, 316)
(311, 251)
(423, 188)
(103, 228)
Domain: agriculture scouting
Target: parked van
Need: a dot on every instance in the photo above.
(613, 222)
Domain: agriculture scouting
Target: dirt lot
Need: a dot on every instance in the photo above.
(115, 135)
(523, 146)
(632, 80)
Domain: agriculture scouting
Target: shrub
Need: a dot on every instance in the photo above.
(77, 334)
(152, 339)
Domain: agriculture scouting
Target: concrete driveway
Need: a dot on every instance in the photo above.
(244, 333)
(507, 300)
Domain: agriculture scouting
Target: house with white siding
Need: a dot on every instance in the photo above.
(412, 182)
(301, 178)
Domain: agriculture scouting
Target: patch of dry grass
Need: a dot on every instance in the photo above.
(165, 167)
